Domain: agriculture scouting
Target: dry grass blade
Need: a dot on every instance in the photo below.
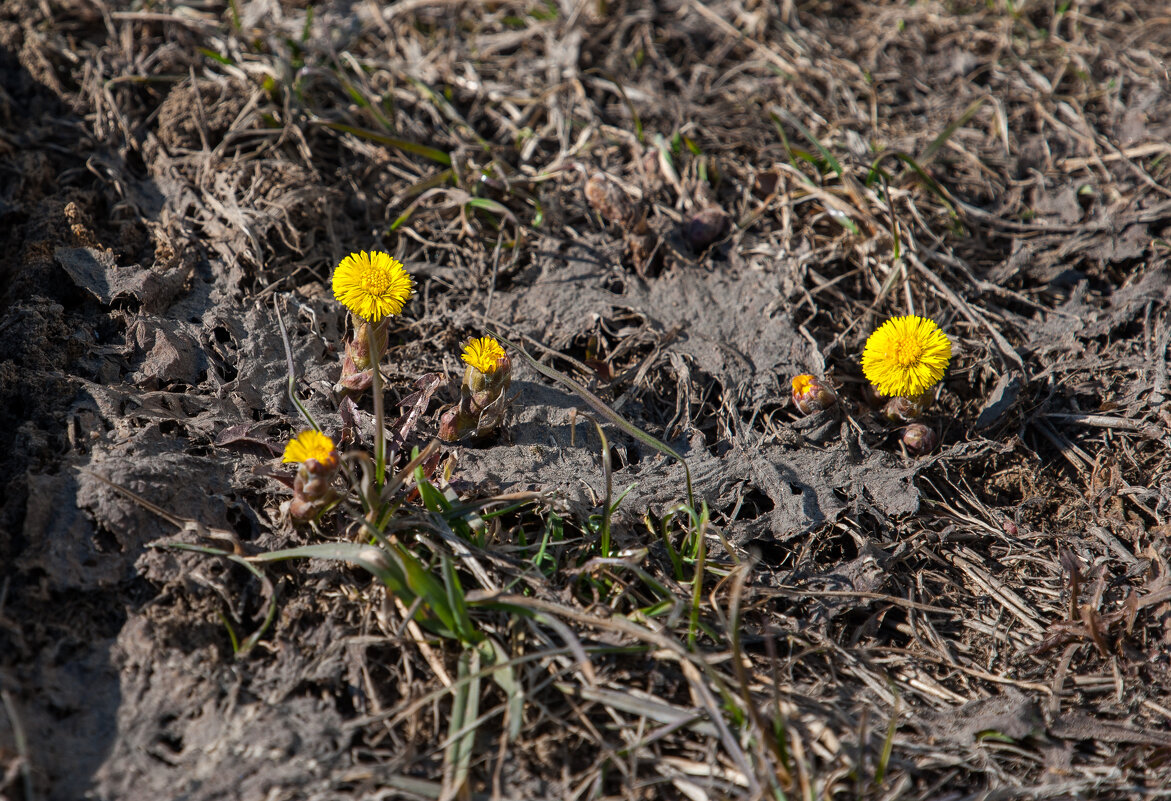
(692, 665)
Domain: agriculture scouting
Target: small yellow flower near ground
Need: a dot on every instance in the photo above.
(309, 445)
(811, 394)
(483, 354)
(906, 356)
(372, 285)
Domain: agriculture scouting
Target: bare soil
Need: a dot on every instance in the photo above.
(990, 620)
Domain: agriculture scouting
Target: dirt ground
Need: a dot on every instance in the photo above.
(991, 620)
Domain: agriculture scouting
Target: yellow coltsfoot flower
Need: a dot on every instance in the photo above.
(489, 370)
(483, 354)
(811, 394)
(372, 285)
(906, 356)
(483, 393)
(308, 446)
(317, 460)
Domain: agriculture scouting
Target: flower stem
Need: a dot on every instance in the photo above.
(379, 413)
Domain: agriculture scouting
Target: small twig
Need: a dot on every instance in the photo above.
(21, 743)
(420, 641)
(187, 525)
(1105, 421)
(1073, 454)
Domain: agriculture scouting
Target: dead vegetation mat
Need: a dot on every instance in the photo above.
(988, 621)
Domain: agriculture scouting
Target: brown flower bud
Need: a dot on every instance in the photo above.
(906, 410)
(608, 199)
(356, 358)
(919, 439)
(455, 424)
(705, 227)
(811, 394)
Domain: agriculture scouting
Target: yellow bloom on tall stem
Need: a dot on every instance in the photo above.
(372, 285)
(310, 445)
(483, 354)
(906, 356)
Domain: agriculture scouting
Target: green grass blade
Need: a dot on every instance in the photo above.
(788, 117)
(665, 536)
(214, 56)
(505, 677)
(457, 603)
(888, 743)
(927, 180)
(697, 579)
(939, 141)
(434, 154)
(368, 557)
(432, 498)
(430, 589)
(461, 731)
(604, 548)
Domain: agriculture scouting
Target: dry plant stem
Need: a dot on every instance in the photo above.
(21, 743)
(292, 367)
(188, 526)
(738, 657)
(420, 640)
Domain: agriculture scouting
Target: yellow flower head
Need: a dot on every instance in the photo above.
(802, 383)
(906, 356)
(310, 445)
(372, 285)
(483, 354)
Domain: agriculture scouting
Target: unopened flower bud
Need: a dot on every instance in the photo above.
(608, 199)
(705, 227)
(906, 410)
(357, 363)
(811, 394)
(458, 422)
(874, 399)
(919, 439)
